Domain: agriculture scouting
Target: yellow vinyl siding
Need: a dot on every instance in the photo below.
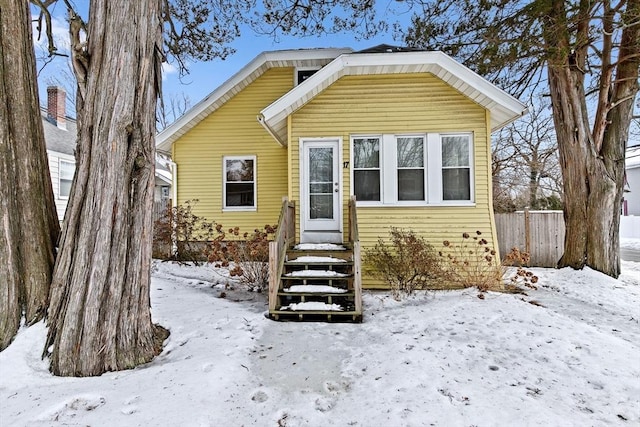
(233, 130)
(396, 104)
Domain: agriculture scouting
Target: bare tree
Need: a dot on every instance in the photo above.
(28, 219)
(171, 107)
(526, 171)
(590, 52)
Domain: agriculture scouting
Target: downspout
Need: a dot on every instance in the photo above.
(173, 167)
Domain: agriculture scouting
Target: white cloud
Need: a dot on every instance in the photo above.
(168, 69)
(60, 33)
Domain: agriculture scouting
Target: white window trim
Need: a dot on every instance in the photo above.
(380, 168)
(472, 188)
(60, 161)
(297, 69)
(432, 166)
(226, 208)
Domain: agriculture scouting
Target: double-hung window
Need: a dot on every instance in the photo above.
(366, 168)
(239, 182)
(414, 169)
(65, 178)
(456, 167)
(411, 161)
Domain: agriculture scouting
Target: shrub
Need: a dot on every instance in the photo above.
(522, 276)
(246, 258)
(407, 263)
(178, 234)
(472, 262)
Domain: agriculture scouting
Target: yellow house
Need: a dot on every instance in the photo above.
(405, 132)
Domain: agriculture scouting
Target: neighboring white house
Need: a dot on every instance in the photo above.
(60, 134)
(631, 202)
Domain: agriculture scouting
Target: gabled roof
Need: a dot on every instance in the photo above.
(503, 107)
(632, 160)
(57, 139)
(240, 80)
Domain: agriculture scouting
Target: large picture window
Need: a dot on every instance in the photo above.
(418, 169)
(65, 178)
(240, 182)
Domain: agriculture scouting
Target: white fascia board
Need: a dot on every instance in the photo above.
(503, 106)
(246, 75)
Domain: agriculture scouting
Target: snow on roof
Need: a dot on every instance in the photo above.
(632, 157)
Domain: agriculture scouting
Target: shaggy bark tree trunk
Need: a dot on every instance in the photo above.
(100, 318)
(592, 163)
(28, 220)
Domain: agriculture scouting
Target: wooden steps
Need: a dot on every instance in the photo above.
(317, 285)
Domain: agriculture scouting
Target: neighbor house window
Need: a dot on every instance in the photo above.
(366, 168)
(65, 177)
(240, 182)
(417, 169)
(456, 167)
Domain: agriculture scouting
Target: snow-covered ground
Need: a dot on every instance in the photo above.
(630, 243)
(567, 354)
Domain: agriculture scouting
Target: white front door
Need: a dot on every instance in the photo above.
(321, 191)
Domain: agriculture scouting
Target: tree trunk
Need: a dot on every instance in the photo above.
(29, 222)
(572, 132)
(100, 318)
(592, 168)
(605, 204)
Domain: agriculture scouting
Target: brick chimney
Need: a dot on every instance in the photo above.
(56, 112)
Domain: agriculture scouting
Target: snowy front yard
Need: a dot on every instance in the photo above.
(570, 358)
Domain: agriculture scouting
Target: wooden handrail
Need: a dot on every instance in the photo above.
(354, 240)
(284, 238)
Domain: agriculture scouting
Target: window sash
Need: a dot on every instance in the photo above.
(410, 168)
(239, 182)
(366, 168)
(66, 170)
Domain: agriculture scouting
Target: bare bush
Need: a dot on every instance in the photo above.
(406, 261)
(178, 234)
(246, 255)
(474, 263)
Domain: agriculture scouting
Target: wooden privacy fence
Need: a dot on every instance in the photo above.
(540, 233)
(160, 207)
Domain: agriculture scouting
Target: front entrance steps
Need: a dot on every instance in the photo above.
(317, 284)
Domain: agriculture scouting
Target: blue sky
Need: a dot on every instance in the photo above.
(203, 77)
